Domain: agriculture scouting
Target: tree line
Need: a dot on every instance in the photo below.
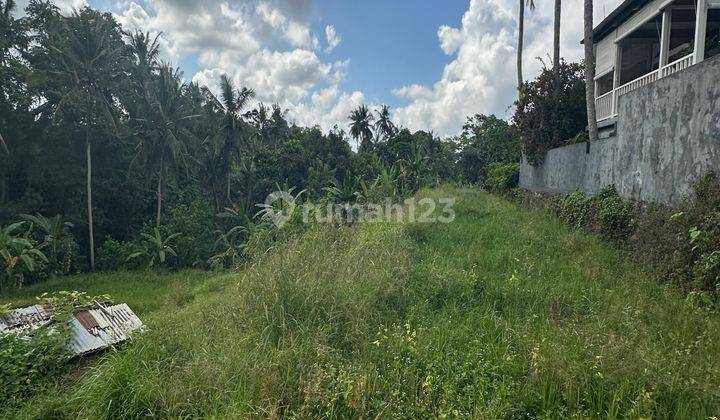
(111, 159)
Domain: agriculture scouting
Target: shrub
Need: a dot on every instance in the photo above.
(678, 245)
(605, 213)
(573, 209)
(502, 177)
(28, 360)
(112, 255)
(615, 217)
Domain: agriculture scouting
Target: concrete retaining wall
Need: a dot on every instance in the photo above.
(668, 135)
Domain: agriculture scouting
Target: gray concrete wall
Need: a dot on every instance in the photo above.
(668, 135)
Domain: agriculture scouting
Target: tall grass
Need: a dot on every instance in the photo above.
(503, 313)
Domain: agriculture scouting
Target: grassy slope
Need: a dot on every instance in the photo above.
(503, 313)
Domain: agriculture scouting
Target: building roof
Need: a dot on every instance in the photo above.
(616, 17)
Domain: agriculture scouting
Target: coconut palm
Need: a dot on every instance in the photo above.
(360, 127)
(146, 50)
(590, 71)
(521, 34)
(556, 66)
(87, 57)
(163, 147)
(384, 126)
(229, 138)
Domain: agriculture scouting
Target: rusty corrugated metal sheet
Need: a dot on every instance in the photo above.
(93, 328)
(113, 325)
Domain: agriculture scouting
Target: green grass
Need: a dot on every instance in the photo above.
(503, 313)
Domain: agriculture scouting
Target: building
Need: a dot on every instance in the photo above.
(645, 40)
(658, 106)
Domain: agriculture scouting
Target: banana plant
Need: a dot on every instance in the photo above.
(155, 247)
(18, 251)
(54, 230)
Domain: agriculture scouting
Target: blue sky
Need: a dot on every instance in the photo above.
(434, 62)
(407, 51)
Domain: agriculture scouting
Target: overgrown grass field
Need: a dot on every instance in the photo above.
(503, 313)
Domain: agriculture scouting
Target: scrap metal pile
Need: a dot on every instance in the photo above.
(92, 328)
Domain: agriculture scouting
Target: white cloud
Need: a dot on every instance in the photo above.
(332, 37)
(265, 45)
(481, 76)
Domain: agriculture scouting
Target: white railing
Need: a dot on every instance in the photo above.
(606, 104)
(677, 65)
(638, 83)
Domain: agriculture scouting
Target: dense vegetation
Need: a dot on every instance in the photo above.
(550, 111)
(678, 245)
(503, 313)
(110, 159)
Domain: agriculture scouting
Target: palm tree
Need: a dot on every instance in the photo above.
(556, 67)
(384, 126)
(233, 102)
(166, 134)
(590, 72)
(360, 127)
(521, 34)
(146, 50)
(88, 59)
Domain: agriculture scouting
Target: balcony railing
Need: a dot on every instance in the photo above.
(677, 65)
(606, 104)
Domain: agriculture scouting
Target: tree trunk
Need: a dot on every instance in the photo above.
(556, 71)
(227, 192)
(159, 188)
(89, 198)
(590, 72)
(521, 31)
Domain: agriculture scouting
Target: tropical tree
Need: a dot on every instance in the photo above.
(590, 71)
(383, 125)
(361, 127)
(521, 35)
(163, 146)
(87, 55)
(229, 144)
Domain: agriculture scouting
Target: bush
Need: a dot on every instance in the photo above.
(677, 245)
(605, 214)
(27, 361)
(502, 177)
(615, 217)
(112, 255)
(574, 209)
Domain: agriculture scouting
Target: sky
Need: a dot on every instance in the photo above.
(433, 62)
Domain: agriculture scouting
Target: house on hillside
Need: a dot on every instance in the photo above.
(645, 40)
(658, 106)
